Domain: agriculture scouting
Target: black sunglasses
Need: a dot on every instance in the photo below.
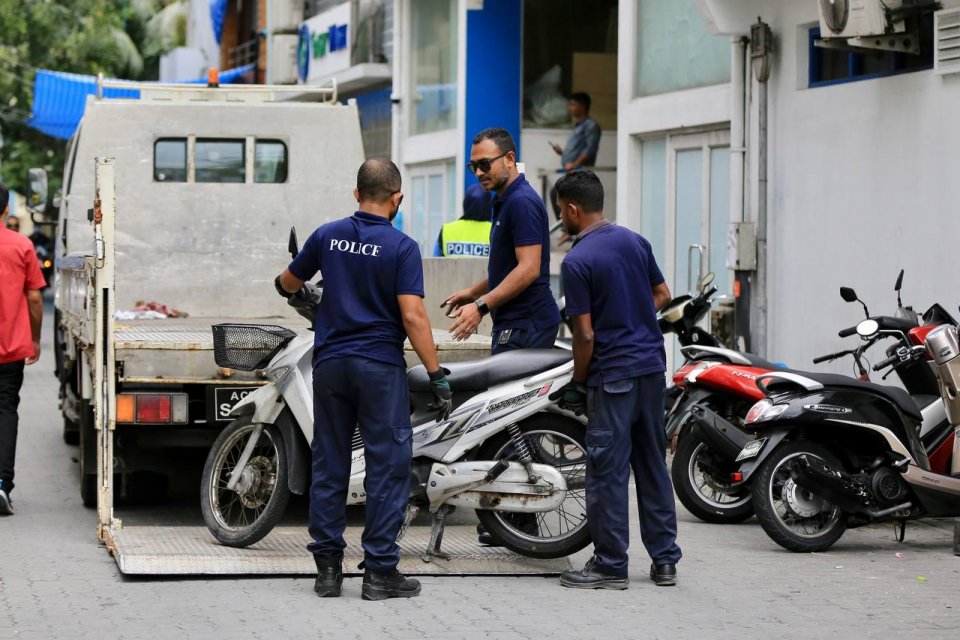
(483, 164)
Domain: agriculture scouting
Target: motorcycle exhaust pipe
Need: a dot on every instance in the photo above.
(724, 437)
(836, 486)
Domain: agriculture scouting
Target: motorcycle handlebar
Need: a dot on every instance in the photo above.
(883, 364)
(832, 356)
(849, 331)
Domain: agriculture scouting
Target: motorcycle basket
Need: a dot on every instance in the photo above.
(248, 347)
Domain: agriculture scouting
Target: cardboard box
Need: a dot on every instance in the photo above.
(596, 74)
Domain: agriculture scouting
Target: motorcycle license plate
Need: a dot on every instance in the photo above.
(752, 449)
(224, 399)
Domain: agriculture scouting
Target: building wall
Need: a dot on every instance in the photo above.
(859, 185)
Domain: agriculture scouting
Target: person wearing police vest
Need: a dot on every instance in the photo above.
(614, 289)
(372, 300)
(468, 237)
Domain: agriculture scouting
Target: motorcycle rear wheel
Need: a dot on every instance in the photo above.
(239, 518)
(561, 442)
(796, 519)
(702, 494)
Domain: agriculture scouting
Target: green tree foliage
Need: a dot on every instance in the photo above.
(119, 38)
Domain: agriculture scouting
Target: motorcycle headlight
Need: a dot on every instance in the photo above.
(764, 410)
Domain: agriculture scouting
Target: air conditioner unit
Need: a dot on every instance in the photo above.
(285, 15)
(282, 60)
(946, 41)
(857, 18)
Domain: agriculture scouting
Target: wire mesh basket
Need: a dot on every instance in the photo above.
(248, 347)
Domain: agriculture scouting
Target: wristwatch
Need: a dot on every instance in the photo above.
(482, 306)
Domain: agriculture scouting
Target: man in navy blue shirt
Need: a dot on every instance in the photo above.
(372, 300)
(614, 289)
(517, 289)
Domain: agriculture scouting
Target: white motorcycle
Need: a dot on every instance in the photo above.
(506, 450)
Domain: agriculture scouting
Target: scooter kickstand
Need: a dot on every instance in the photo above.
(407, 519)
(436, 535)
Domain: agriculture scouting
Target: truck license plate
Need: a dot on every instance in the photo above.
(224, 399)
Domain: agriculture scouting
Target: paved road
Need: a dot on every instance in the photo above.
(55, 582)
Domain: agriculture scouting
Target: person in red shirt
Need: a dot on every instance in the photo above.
(21, 312)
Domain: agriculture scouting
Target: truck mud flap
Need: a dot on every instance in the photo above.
(724, 437)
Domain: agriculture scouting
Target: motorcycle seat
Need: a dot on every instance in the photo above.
(896, 395)
(479, 375)
(733, 357)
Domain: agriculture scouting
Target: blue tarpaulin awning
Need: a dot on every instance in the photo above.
(59, 98)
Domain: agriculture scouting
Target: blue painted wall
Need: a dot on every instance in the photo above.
(494, 59)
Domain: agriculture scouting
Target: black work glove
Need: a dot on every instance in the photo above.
(441, 391)
(572, 397)
(283, 292)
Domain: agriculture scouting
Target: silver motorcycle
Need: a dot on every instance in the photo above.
(506, 450)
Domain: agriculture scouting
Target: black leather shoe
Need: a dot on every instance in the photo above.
(380, 586)
(665, 575)
(329, 576)
(590, 578)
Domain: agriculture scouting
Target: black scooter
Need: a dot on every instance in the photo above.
(833, 452)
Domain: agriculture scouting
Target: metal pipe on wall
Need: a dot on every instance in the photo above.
(761, 48)
(738, 118)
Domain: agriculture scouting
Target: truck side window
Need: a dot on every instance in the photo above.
(270, 161)
(220, 160)
(170, 160)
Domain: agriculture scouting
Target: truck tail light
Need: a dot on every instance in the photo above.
(152, 408)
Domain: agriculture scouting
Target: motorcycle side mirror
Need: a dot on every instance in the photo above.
(292, 246)
(897, 286)
(705, 282)
(849, 295)
(868, 328)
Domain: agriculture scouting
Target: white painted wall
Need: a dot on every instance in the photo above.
(861, 184)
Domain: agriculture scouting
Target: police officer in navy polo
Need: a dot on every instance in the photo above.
(372, 300)
(614, 289)
(516, 291)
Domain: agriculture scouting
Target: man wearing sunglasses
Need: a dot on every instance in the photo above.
(516, 291)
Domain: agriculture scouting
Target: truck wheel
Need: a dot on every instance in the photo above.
(242, 516)
(71, 432)
(87, 439)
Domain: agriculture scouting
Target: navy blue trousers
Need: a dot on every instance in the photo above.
(625, 431)
(356, 391)
(527, 338)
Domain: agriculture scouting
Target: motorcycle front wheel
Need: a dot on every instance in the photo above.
(794, 517)
(560, 442)
(700, 481)
(242, 516)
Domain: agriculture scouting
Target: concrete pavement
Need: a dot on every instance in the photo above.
(56, 582)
